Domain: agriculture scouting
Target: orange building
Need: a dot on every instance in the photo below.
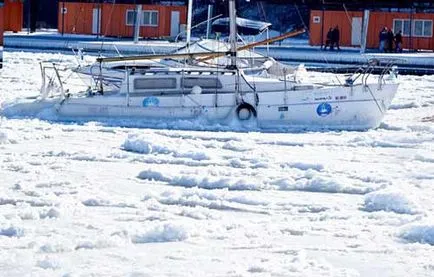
(417, 28)
(11, 19)
(13, 15)
(118, 20)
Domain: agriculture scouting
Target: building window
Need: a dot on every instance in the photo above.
(131, 17)
(150, 18)
(402, 25)
(420, 28)
(427, 31)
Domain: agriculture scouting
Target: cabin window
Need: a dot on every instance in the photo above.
(402, 25)
(130, 17)
(205, 83)
(154, 83)
(150, 18)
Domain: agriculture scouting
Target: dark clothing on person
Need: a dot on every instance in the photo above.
(329, 41)
(383, 39)
(398, 38)
(383, 35)
(335, 38)
(390, 38)
(398, 42)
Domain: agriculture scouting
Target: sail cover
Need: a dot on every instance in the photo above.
(246, 27)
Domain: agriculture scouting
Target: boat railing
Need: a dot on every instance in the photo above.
(54, 79)
(383, 66)
(390, 68)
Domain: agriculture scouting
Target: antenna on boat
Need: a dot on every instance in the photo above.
(233, 33)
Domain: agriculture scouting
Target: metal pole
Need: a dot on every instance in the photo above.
(268, 44)
(286, 87)
(128, 87)
(137, 24)
(43, 86)
(29, 10)
(62, 91)
(411, 29)
(189, 20)
(322, 26)
(233, 32)
(208, 24)
(365, 27)
(63, 18)
(98, 20)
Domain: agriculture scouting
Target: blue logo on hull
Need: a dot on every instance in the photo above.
(151, 102)
(324, 109)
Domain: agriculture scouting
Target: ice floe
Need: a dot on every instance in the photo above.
(168, 232)
(12, 231)
(49, 263)
(141, 144)
(390, 200)
(421, 233)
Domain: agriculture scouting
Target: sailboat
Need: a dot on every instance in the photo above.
(230, 92)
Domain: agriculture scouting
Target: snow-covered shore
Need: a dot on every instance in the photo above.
(293, 50)
(97, 199)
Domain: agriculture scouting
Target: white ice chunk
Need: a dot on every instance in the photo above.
(390, 200)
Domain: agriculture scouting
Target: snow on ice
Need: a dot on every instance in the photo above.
(162, 233)
(185, 199)
(390, 200)
(421, 233)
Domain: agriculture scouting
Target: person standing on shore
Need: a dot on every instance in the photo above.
(336, 37)
(390, 38)
(329, 41)
(398, 42)
(382, 38)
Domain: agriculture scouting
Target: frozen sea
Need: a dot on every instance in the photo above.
(96, 199)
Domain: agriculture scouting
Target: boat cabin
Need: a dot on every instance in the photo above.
(143, 82)
(170, 81)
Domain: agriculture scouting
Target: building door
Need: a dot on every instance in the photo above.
(96, 21)
(356, 31)
(174, 24)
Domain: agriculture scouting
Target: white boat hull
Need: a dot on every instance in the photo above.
(354, 107)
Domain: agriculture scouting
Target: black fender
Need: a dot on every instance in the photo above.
(250, 108)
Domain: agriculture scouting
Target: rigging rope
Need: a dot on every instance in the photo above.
(347, 14)
(108, 24)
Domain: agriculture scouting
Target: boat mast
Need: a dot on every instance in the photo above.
(233, 33)
(189, 20)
